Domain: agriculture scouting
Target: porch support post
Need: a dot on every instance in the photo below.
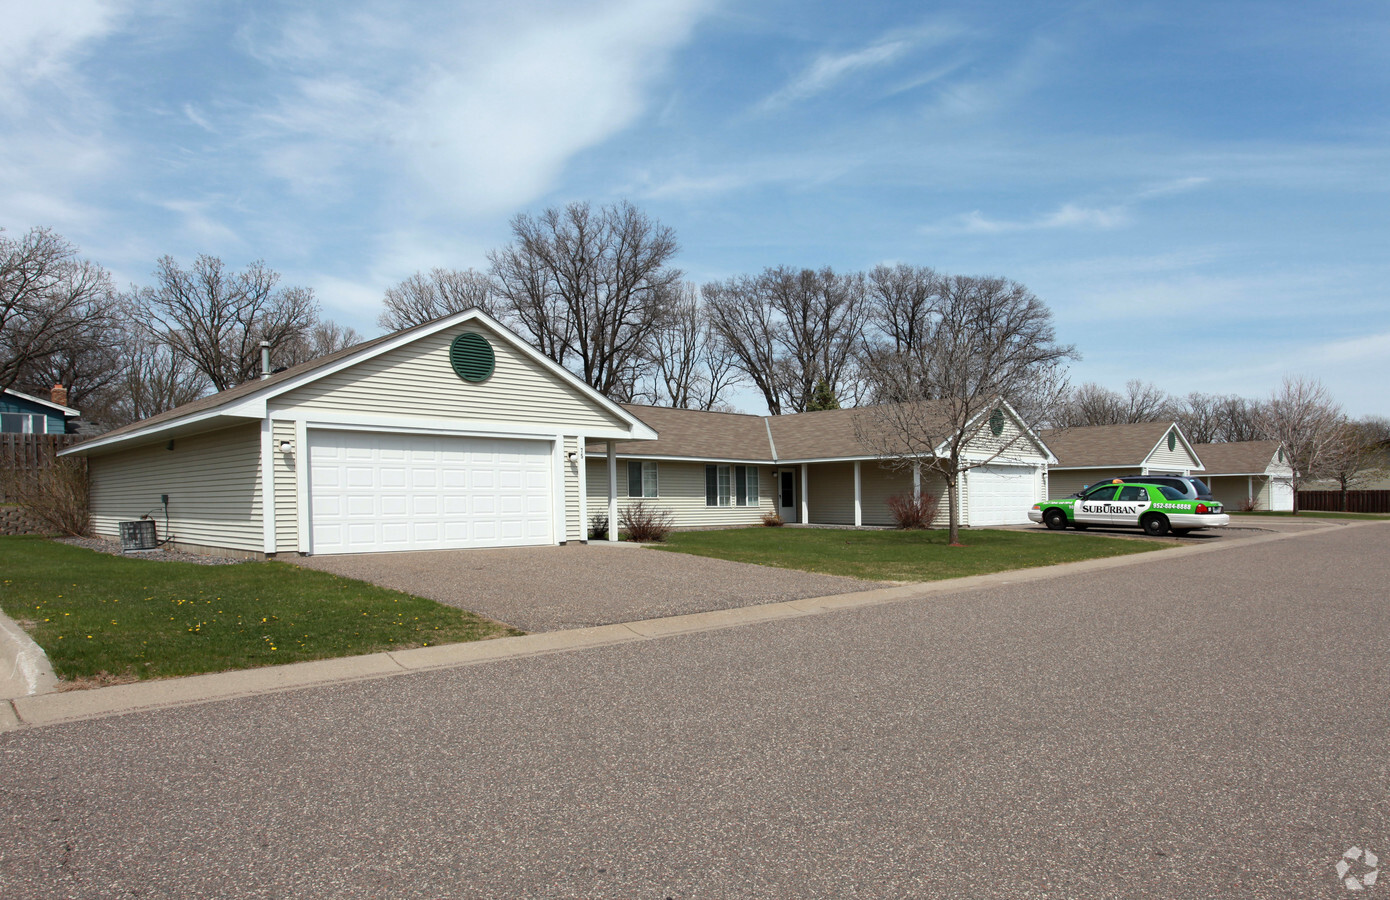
(917, 481)
(858, 498)
(1250, 488)
(612, 491)
(805, 486)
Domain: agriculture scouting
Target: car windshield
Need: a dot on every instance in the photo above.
(1202, 489)
(1171, 493)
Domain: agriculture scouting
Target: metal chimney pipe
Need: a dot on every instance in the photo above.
(265, 360)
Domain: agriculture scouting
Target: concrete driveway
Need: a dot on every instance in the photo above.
(580, 585)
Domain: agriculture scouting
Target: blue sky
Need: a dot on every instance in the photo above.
(1198, 190)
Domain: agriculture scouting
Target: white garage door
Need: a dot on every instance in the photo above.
(1002, 495)
(374, 492)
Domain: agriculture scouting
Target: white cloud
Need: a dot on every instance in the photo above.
(829, 69)
(483, 114)
(39, 41)
(1068, 215)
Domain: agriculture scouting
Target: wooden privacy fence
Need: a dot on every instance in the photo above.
(1345, 501)
(22, 453)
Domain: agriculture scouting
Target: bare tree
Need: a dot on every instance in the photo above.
(421, 298)
(987, 339)
(789, 328)
(1303, 417)
(900, 299)
(591, 288)
(750, 331)
(216, 318)
(323, 338)
(1217, 418)
(692, 369)
(1359, 456)
(1092, 404)
(51, 301)
(154, 379)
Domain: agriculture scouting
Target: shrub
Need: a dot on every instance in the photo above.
(913, 512)
(598, 526)
(54, 495)
(1249, 504)
(643, 523)
(772, 519)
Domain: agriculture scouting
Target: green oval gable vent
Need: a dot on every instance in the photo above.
(472, 357)
(996, 422)
(1172, 440)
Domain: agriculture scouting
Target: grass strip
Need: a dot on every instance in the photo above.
(900, 555)
(108, 618)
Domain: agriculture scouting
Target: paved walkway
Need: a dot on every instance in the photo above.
(582, 585)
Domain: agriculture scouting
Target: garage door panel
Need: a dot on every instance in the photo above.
(374, 492)
(1002, 495)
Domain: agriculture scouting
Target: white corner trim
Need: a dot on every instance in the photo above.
(301, 484)
(268, 485)
(559, 531)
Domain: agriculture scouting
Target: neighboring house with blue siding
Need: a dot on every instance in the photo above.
(21, 413)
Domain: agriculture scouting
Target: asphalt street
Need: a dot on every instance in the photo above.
(1202, 726)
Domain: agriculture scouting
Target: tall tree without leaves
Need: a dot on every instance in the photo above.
(51, 302)
(1303, 417)
(1092, 404)
(985, 341)
(789, 328)
(692, 369)
(590, 288)
(216, 318)
(422, 297)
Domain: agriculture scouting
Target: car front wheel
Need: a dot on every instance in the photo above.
(1055, 519)
(1155, 525)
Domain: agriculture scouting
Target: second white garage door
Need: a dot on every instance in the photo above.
(372, 492)
(1002, 495)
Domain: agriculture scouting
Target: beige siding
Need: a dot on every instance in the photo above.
(1065, 482)
(213, 482)
(831, 500)
(286, 489)
(682, 491)
(1233, 490)
(574, 529)
(1177, 460)
(417, 381)
(1011, 445)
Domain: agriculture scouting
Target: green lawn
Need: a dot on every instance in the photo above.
(1314, 514)
(106, 617)
(900, 555)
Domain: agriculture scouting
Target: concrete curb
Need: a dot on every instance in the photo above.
(24, 667)
(72, 706)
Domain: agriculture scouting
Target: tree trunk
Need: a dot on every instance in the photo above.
(952, 513)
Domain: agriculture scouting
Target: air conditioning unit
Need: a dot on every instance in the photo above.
(139, 535)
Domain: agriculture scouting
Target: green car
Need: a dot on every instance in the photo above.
(1156, 508)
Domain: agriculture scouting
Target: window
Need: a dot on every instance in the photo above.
(731, 486)
(642, 479)
(1104, 492)
(23, 423)
(1133, 492)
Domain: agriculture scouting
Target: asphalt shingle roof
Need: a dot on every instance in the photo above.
(1104, 445)
(1237, 457)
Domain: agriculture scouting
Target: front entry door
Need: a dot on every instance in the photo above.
(786, 495)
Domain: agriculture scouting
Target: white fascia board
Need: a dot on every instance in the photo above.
(1110, 466)
(65, 410)
(686, 459)
(135, 438)
(422, 425)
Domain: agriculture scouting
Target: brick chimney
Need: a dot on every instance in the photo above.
(59, 395)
